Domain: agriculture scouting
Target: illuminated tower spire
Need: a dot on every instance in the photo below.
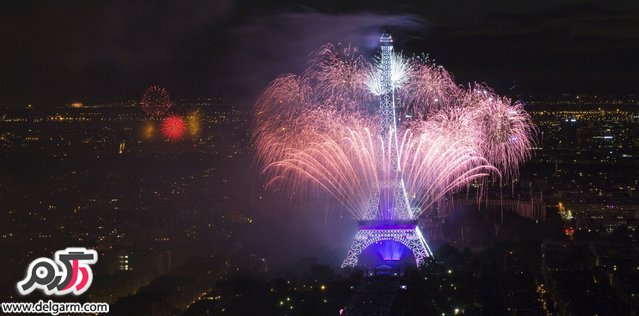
(387, 114)
(387, 98)
(389, 201)
(390, 217)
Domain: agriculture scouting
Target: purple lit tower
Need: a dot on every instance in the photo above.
(389, 215)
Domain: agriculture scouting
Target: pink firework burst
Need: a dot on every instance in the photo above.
(506, 129)
(320, 131)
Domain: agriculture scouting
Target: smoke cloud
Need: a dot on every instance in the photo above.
(268, 46)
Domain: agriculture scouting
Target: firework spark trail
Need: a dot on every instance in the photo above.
(506, 129)
(155, 102)
(316, 131)
(429, 87)
(340, 158)
(435, 161)
(173, 128)
(339, 74)
(401, 71)
(194, 123)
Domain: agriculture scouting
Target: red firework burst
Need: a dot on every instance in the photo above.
(155, 102)
(173, 128)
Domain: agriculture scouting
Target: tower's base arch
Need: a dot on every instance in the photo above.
(406, 233)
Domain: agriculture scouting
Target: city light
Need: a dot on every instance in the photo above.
(214, 163)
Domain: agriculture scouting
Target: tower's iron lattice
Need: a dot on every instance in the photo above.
(388, 205)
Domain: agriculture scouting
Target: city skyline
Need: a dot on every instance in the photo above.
(159, 206)
(320, 157)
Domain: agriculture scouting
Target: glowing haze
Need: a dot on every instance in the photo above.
(320, 130)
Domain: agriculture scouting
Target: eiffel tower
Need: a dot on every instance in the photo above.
(389, 216)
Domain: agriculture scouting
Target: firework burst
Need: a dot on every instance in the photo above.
(401, 70)
(337, 75)
(148, 130)
(194, 122)
(505, 129)
(321, 131)
(155, 102)
(173, 128)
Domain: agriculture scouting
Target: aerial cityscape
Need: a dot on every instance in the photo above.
(355, 162)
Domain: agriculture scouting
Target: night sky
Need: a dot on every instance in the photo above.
(54, 52)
